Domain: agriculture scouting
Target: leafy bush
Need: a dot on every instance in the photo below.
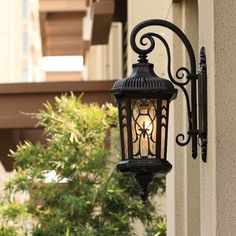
(86, 196)
(157, 229)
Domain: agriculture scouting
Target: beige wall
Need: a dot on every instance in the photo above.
(218, 176)
(208, 171)
(4, 176)
(192, 167)
(35, 48)
(152, 9)
(181, 195)
(9, 18)
(19, 41)
(104, 62)
(176, 194)
(204, 203)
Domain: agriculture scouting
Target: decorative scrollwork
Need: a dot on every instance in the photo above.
(182, 74)
(149, 36)
(143, 43)
(181, 136)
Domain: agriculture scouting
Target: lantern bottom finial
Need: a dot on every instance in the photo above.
(144, 179)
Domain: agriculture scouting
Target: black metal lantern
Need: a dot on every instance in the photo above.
(143, 101)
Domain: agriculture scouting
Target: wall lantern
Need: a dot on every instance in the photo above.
(143, 101)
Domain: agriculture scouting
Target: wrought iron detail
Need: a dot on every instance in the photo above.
(183, 75)
(164, 123)
(202, 95)
(123, 126)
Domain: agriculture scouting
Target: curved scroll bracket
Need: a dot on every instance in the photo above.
(189, 76)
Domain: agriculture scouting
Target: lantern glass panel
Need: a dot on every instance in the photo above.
(125, 141)
(144, 127)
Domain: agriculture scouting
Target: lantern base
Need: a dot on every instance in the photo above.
(144, 170)
(155, 167)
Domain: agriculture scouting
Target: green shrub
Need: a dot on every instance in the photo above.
(7, 231)
(86, 197)
(158, 228)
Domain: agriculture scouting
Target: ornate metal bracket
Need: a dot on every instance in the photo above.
(184, 76)
(202, 103)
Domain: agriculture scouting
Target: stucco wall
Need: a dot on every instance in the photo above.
(20, 43)
(176, 222)
(218, 177)
(225, 84)
(208, 181)
(139, 11)
(183, 183)
(10, 42)
(3, 178)
(192, 167)
(104, 62)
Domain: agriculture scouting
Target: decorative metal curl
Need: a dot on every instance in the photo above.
(191, 75)
(181, 76)
(152, 43)
(181, 136)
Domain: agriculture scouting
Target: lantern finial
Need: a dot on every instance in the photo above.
(144, 179)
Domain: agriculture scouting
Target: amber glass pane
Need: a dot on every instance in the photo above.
(125, 142)
(144, 125)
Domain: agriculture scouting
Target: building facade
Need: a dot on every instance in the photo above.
(20, 42)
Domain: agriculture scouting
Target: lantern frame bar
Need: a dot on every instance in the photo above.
(158, 132)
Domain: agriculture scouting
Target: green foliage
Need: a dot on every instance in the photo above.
(157, 229)
(86, 197)
(13, 218)
(7, 231)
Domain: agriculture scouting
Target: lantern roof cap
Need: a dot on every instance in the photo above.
(144, 78)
